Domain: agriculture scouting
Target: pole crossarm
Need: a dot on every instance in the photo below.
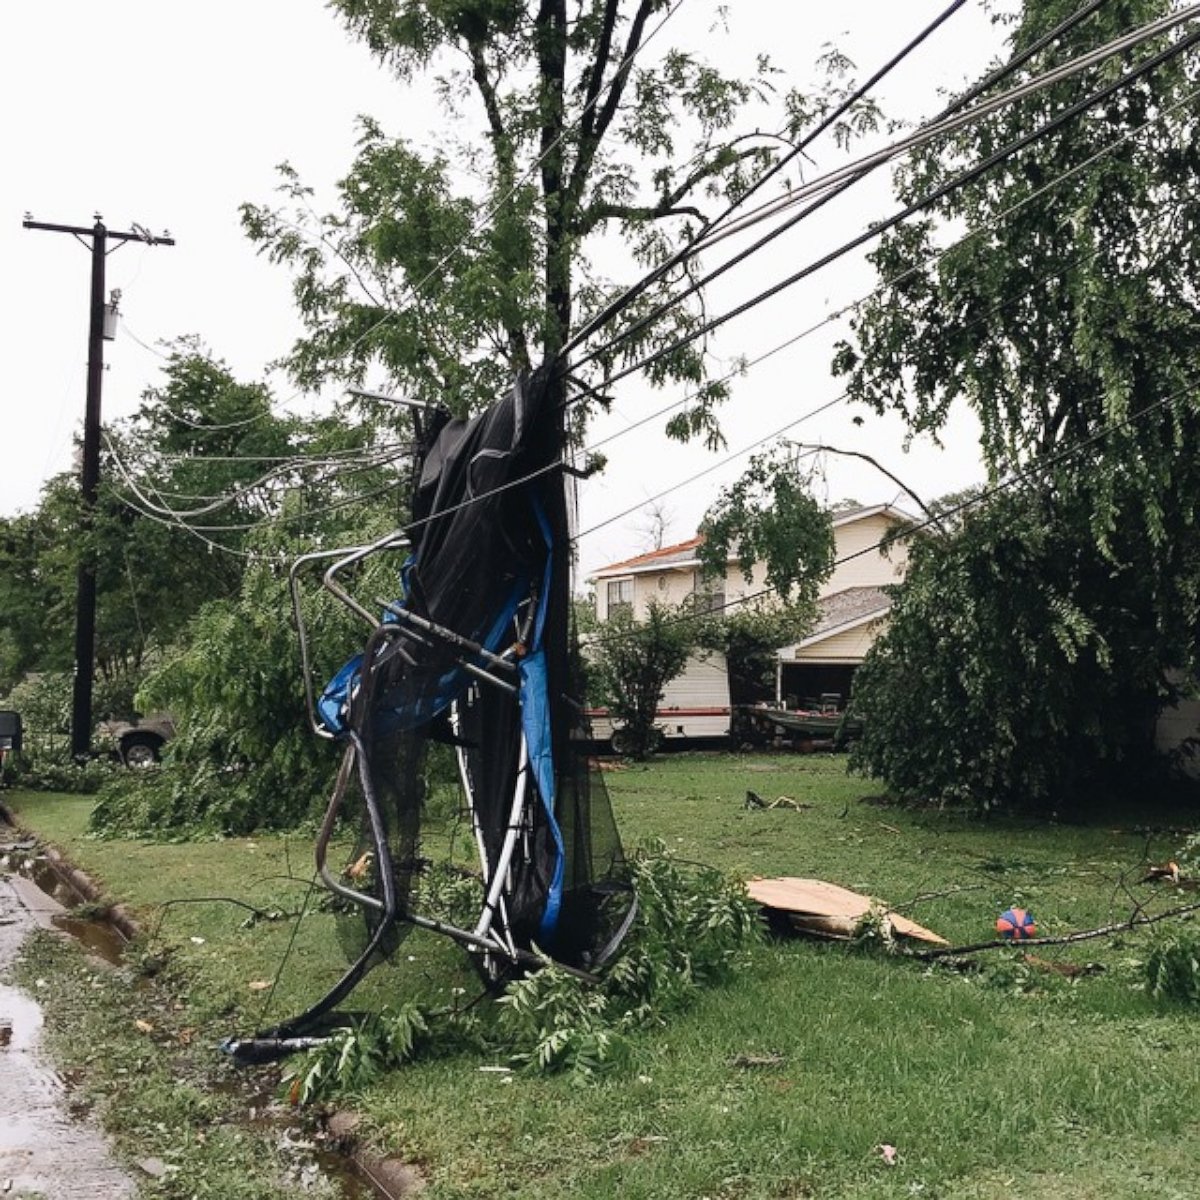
(151, 239)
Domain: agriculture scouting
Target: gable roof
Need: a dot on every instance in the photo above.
(843, 611)
(684, 554)
(848, 515)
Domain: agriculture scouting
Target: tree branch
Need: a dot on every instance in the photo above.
(502, 149)
(593, 77)
(551, 38)
(634, 212)
(597, 123)
(883, 470)
(669, 203)
(501, 143)
(1067, 939)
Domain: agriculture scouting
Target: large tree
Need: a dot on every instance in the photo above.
(1068, 320)
(453, 267)
(199, 433)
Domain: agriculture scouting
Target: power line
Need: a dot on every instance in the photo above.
(1064, 454)
(958, 181)
(885, 285)
(943, 126)
(929, 261)
(615, 307)
(702, 241)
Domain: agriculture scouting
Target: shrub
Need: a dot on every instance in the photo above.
(1173, 968)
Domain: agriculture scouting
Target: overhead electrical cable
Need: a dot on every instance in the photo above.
(943, 126)
(621, 302)
(883, 286)
(962, 179)
(702, 242)
(1056, 458)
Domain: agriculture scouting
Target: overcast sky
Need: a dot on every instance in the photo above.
(171, 115)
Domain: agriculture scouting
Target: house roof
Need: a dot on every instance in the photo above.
(848, 515)
(847, 608)
(842, 611)
(684, 554)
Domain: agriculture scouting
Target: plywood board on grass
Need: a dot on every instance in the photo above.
(827, 908)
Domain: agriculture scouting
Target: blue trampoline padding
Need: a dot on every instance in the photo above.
(535, 722)
(331, 706)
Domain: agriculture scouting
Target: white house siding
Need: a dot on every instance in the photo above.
(869, 569)
(848, 647)
(673, 585)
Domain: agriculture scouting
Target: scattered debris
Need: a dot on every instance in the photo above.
(358, 869)
(155, 1167)
(827, 910)
(888, 1153)
(754, 800)
(751, 1061)
(1168, 870)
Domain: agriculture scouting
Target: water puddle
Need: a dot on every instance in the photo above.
(316, 1155)
(46, 1147)
(43, 1149)
(48, 897)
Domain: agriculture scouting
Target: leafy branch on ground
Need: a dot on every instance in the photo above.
(693, 929)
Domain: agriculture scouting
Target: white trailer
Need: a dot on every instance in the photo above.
(694, 707)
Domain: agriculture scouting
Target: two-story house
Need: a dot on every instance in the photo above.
(853, 605)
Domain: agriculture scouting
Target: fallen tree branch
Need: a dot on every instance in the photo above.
(754, 800)
(1066, 939)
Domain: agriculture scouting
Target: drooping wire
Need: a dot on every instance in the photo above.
(962, 179)
(1031, 197)
(929, 261)
(615, 307)
(702, 242)
(1056, 458)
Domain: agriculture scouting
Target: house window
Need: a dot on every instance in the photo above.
(708, 595)
(620, 596)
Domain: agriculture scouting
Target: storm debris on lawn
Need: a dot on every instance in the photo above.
(754, 800)
(752, 1061)
(826, 910)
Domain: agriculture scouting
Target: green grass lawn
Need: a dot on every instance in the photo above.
(1006, 1081)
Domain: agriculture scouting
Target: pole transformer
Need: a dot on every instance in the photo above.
(89, 479)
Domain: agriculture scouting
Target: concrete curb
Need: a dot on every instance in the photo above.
(82, 884)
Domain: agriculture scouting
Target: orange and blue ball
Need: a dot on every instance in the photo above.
(1016, 925)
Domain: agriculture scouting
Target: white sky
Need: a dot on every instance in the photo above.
(171, 115)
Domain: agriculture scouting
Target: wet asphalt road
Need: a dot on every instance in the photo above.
(43, 1149)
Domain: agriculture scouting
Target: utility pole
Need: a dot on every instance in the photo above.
(85, 592)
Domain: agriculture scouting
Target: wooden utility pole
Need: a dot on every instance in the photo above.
(89, 481)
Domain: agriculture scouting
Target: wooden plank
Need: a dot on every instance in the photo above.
(829, 908)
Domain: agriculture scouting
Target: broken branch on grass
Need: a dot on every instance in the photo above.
(1066, 939)
(256, 914)
(925, 897)
(754, 800)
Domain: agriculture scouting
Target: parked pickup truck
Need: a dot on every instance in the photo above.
(139, 742)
